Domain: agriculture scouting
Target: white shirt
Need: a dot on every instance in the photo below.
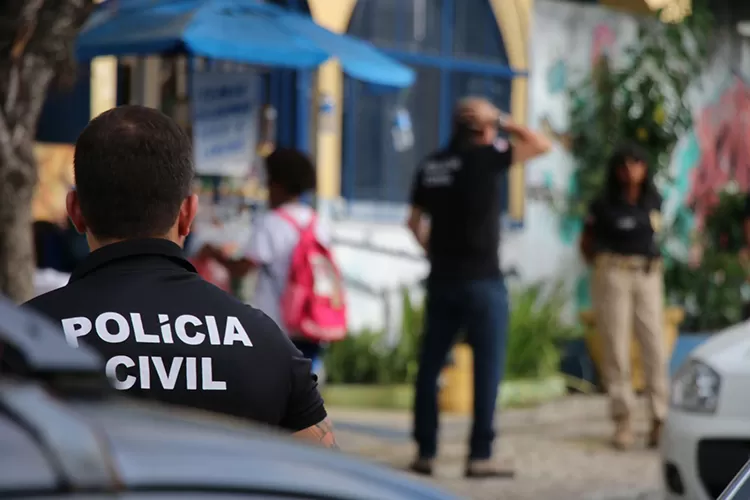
(46, 280)
(271, 244)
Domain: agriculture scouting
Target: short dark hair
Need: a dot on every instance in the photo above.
(133, 168)
(292, 170)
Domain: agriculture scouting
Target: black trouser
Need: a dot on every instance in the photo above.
(481, 308)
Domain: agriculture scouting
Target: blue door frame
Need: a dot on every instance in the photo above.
(291, 95)
(448, 65)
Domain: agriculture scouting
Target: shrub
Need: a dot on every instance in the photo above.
(536, 329)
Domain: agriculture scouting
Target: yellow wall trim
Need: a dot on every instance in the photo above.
(103, 82)
(335, 16)
(514, 22)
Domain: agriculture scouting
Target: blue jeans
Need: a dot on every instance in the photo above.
(480, 308)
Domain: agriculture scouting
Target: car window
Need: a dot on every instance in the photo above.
(739, 488)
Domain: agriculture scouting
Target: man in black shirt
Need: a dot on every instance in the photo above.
(455, 216)
(165, 333)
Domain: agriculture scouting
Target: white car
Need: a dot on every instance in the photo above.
(706, 439)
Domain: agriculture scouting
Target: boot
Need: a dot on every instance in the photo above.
(422, 466)
(488, 468)
(623, 436)
(654, 434)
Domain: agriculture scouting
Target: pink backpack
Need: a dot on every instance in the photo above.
(313, 301)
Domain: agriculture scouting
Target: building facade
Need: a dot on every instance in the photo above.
(493, 48)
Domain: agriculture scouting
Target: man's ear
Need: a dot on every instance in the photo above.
(188, 211)
(74, 211)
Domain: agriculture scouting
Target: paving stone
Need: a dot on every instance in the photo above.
(560, 451)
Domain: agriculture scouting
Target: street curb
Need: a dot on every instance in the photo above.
(633, 495)
(513, 393)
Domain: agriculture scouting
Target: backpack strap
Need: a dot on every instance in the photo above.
(291, 220)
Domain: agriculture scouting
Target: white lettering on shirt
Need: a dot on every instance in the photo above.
(103, 322)
(111, 370)
(209, 384)
(181, 332)
(440, 172)
(213, 330)
(144, 372)
(626, 223)
(74, 328)
(168, 379)
(166, 329)
(192, 374)
(234, 332)
(114, 328)
(140, 335)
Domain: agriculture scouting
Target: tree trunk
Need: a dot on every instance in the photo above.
(36, 40)
(17, 180)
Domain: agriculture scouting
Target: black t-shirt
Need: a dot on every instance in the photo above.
(168, 335)
(625, 229)
(460, 190)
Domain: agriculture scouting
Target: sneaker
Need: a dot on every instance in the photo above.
(488, 468)
(623, 437)
(421, 466)
(654, 435)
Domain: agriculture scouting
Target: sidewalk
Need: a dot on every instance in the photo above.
(560, 451)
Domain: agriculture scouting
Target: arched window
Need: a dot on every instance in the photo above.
(455, 48)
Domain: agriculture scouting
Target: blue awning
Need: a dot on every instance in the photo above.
(248, 31)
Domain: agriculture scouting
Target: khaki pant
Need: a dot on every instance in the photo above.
(630, 298)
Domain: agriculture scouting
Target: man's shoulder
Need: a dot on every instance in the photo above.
(500, 151)
(50, 302)
(211, 296)
(440, 154)
(216, 300)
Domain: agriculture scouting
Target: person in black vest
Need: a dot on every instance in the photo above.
(164, 332)
(619, 241)
(455, 217)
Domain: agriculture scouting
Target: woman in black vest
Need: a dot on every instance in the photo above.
(619, 241)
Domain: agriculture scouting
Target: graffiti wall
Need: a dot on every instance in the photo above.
(566, 42)
(567, 39)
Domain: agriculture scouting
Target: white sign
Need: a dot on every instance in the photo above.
(225, 122)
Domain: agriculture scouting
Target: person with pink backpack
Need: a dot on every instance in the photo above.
(299, 285)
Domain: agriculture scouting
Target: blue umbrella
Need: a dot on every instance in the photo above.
(248, 31)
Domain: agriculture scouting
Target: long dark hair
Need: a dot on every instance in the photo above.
(624, 152)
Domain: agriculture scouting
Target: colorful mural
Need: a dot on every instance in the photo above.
(721, 133)
(567, 42)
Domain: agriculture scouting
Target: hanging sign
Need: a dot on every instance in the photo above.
(401, 131)
(326, 112)
(225, 110)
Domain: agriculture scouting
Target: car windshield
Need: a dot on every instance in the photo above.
(739, 488)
